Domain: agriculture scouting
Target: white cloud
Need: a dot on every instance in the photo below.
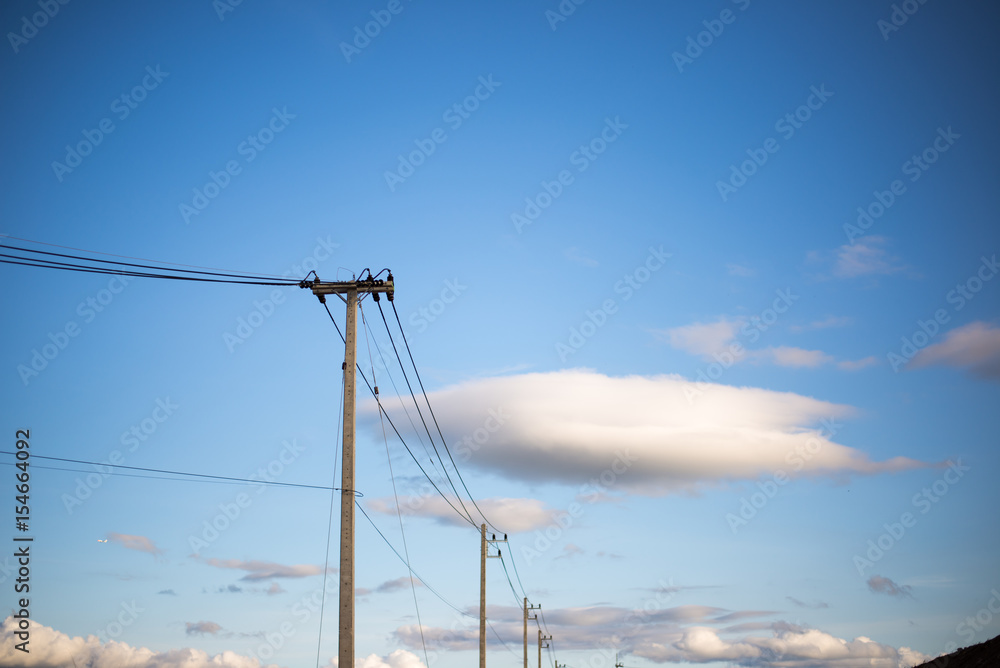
(796, 357)
(880, 585)
(572, 426)
(865, 258)
(53, 649)
(138, 543)
(857, 365)
(788, 648)
(707, 340)
(576, 255)
(681, 634)
(265, 570)
(703, 339)
(739, 270)
(400, 658)
(201, 628)
(974, 347)
(514, 515)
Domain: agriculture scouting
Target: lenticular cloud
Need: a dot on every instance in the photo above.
(657, 434)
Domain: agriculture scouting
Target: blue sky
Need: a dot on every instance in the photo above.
(629, 230)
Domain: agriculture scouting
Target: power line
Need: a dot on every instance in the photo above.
(392, 424)
(193, 475)
(431, 409)
(329, 525)
(424, 582)
(424, 422)
(128, 257)
(395, 496)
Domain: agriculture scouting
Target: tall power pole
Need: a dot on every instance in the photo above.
(351, 289)
(542, 643)
(526, 608)
(484, 543)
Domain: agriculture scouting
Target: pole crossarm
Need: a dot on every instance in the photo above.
(368, 284)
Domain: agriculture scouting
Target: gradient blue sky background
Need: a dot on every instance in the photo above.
(782, 587)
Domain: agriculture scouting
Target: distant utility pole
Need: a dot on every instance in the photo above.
(542, 642)
(482, 588)
(618, 664)
(351, 289)
(526, 608)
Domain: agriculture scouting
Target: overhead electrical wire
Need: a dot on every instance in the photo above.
(329, 524)
(160, 270)
(424, 582)
(119, 268)
(416, 372)
(378, 401)
(399, 397)
(184, 473)
(424, 422)
(129, 257)
(395, 496)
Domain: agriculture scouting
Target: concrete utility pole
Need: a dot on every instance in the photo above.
(351, 289)
(526, 608)
(482, 588)
(542, 643)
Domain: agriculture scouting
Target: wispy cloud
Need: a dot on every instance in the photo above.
(138, 543)
(572, 426)
(683, 634)
(789, 356)
(865, 258)
(702, 339)
(264, 570)
(974, 347)
(202, 628)
(857, 365)
(881, 585)
(576, 255)
(817, 605)
(740, 270)
(514, 515)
